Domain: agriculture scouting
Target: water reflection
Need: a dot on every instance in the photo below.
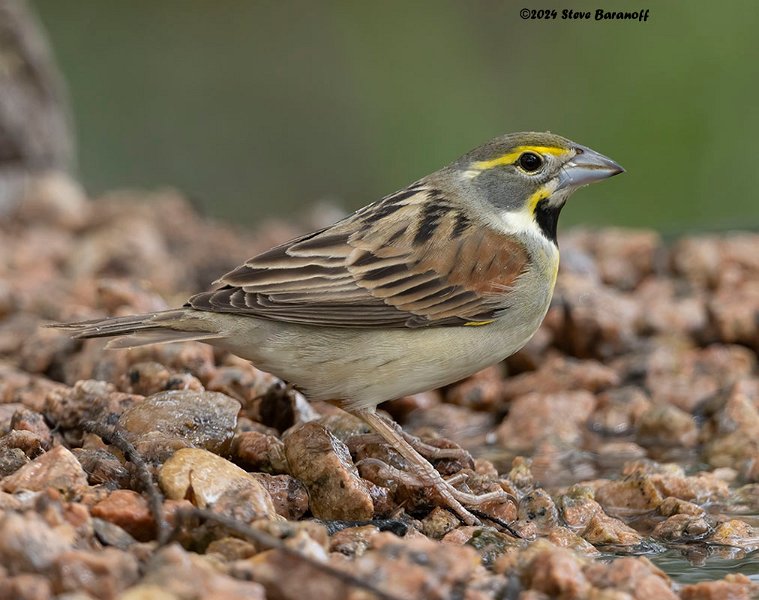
(711, 562)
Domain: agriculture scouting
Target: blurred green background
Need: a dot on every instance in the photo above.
(256, 108)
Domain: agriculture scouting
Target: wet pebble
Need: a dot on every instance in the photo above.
(733, 430)
(538, 508)
(27, 420)
(25, 586)
(438, 523)
(637, 577)
(552, 571)
(734, 586)
(129, 510)
(171, 419)
(87, 400)
(636, 492)
(29, 544)
(682, 528)
(534, 417)
(207, 480)
(410, 568)
(102, 467)
(289, 495)
(102, 574)
(260, 451)
(560, 374)
(323, 464)
(666, 425)
(734, 532)
(599, 321)
(11, 460)
(146, 378)
(603, 530)
(176, 573)
(353, 541)
(58, 469)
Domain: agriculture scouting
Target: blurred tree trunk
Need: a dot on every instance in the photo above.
(35, 131)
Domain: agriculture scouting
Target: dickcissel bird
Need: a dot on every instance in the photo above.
(418, 290)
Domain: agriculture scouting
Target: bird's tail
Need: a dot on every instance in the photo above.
(178, 325)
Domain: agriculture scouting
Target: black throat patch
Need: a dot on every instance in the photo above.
(547, 218)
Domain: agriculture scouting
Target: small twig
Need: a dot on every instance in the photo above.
(497, 521)
(269, 541)
(155, 498)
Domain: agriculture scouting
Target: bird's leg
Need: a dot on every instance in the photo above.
(390, 472)
(417, 463)
(425, 472)
(429, 451)
(433, 452)
(426, 450)
(407, 479)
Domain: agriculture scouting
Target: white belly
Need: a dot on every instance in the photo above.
(367, 366)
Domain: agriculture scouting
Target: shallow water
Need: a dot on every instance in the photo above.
(691, 563)
(683, 569)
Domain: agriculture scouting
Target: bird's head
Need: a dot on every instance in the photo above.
(527, 177)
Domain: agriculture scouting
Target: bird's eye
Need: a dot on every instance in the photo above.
(530, 162)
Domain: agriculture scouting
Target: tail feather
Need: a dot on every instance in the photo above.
(140, 330)
(145, 338)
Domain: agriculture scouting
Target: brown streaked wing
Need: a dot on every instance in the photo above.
(466, 277)
(413, 259)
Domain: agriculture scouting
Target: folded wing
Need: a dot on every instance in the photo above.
(413, 259)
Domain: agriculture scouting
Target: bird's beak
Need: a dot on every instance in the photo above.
(587, 166)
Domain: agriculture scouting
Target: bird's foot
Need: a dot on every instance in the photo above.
(423, 448)
(424, 474)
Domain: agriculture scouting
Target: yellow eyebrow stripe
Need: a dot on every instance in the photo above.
(510, 157)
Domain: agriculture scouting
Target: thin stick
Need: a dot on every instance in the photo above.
(268, 541)
(155, 498)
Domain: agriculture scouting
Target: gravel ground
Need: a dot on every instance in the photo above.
(629, 426)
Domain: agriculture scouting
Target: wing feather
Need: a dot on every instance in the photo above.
(413, 259)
